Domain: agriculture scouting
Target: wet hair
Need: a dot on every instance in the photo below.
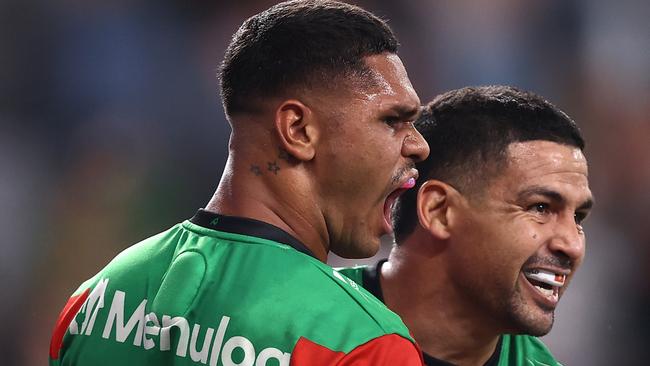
(469, 131)
(299, 45)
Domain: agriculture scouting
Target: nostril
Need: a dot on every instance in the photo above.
(416, 147)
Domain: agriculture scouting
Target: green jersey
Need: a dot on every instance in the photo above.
(223, 290)
(512, 350)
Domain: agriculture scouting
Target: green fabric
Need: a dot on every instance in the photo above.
(194, 295)
(516, 350)
(525, 350)
(353, 273)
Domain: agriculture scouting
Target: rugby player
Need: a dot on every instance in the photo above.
(322, 143)
(489, 243)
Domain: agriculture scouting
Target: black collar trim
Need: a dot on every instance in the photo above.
(249, 227)
(371, 282)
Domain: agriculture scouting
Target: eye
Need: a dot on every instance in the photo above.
(398, 123)
(391, 120)
(579, 217)
(540, 208)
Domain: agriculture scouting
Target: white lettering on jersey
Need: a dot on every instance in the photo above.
(90, 308)
(238, 342)
(150, 330)
(218, 340)
(201, 355)
(269, 353)
(184, 327)
(145, 328)
(116, 316)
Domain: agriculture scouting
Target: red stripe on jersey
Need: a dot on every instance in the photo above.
(65, 318)
(389, 349)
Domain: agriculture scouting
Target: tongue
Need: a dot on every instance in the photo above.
(390, 200)
(408, 184)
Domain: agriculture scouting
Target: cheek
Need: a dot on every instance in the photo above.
(514, 245)
(494, 246)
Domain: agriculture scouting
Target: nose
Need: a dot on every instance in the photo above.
(568, 239)
(415, 146)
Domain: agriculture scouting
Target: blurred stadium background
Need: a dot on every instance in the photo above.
(111, 130)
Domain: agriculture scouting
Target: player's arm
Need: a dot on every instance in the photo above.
(389, 349)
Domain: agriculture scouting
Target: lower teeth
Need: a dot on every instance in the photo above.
(546, 292)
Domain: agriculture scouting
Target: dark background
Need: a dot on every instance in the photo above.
(111, 130)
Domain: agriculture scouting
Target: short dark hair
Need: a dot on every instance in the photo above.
(298, 44)
(469, 131)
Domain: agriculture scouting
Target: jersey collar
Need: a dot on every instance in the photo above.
(249, 227)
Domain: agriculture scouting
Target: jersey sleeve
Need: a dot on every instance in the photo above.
(65, 318)
(389, 349)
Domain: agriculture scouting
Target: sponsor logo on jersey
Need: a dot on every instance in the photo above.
(150, 331)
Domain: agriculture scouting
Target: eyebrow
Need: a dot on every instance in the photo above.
(554, 196)
(405, 111)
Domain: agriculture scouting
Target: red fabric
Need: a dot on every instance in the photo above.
(65, 318)
(389, 350)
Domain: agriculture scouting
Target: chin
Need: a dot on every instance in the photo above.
(368, 249)
(537, 329)
(525, 315)
(534, 322)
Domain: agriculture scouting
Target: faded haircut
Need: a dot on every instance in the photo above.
(299, 45)
(469, 131)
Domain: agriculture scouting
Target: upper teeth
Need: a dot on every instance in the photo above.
(549, 278)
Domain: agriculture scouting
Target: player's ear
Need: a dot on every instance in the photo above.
(433, 208)
(294, 122)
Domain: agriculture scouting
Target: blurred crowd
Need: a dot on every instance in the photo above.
(111, 130)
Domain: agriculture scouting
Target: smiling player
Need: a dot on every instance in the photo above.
(488, 244)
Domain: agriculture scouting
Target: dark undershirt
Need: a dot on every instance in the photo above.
(372, 284)
(249, 227)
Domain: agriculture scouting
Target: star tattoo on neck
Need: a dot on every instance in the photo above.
(273, 167)
(256, 170)
(283, 154)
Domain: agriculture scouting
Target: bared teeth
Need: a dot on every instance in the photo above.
(547, 292)
(547, 277)
(551, 293)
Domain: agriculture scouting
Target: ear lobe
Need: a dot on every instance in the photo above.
(296, 130)
(432, 208)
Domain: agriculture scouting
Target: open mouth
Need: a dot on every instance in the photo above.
(390, 202)
(547, 283)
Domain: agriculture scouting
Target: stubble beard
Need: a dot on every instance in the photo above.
(526, 317)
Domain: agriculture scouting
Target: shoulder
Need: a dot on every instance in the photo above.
(134, 262)
(208, 281)
(350, 308)
(389, 349)
(324, 306)
(354, 273)
(133, 271)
